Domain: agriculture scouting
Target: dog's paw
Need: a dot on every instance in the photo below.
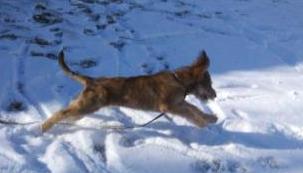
(211, 118)
(205, 120)
(201, 122)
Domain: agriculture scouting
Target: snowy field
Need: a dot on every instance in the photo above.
(256, 52)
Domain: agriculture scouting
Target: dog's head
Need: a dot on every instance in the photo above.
(202, 84)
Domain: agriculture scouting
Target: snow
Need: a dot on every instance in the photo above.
(256, 56)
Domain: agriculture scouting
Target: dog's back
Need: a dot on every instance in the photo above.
(146, 92)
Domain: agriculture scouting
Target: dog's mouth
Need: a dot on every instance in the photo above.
(205, 97)
(209, 96)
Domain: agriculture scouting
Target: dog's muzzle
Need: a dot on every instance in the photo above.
(211, 94)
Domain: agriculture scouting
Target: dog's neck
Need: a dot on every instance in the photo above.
(183, 76)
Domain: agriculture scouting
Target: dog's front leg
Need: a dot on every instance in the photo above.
(192, 114)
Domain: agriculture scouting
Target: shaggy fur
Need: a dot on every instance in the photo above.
(161, 92)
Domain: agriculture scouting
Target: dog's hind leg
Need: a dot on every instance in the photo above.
(59, 116)
(71, 113)
(86, 103)
(192, 114)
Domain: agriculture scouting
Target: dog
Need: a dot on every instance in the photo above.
(161, 92)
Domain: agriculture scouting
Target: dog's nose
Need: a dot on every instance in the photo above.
(212, 94)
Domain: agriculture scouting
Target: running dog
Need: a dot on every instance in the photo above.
(161, 92)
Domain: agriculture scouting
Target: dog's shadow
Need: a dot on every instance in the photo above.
(216, 135)
(213, 135)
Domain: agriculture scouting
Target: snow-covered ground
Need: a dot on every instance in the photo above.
(256, 55)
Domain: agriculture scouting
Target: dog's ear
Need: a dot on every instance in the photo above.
(201, 64)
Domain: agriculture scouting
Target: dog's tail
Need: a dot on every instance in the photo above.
(74, 75)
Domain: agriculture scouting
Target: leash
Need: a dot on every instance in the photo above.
(113, 127)
(11, 122)
(118, 127)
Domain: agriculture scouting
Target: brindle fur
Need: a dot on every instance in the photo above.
(161, 92)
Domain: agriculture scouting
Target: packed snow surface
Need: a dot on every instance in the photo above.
(256, 53)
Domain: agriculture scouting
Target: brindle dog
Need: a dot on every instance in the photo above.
(161, 92)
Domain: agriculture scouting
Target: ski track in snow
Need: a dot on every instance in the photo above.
(20, 83)
(256, 66)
